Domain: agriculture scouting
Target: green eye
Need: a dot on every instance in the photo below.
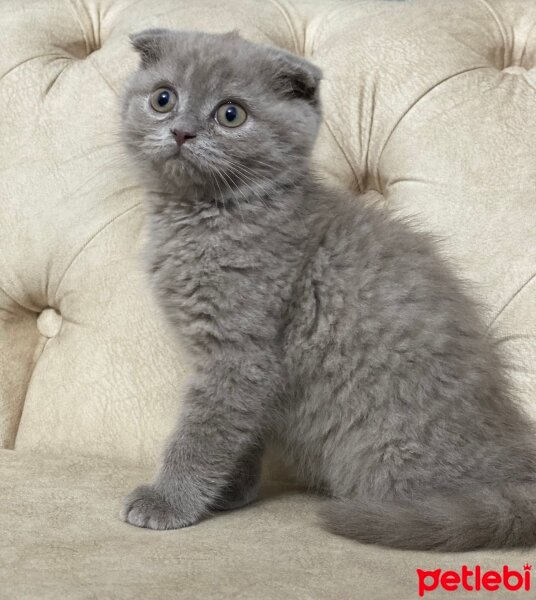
(163, 99)
(231, 115)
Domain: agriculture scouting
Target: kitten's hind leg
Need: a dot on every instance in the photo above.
(243, 487)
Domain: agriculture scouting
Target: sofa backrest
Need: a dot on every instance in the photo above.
(430, 105)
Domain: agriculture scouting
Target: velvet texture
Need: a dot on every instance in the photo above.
(431, 105)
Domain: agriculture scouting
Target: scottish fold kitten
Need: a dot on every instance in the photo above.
(317, 323)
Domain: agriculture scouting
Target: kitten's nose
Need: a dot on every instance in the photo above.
(182, 136)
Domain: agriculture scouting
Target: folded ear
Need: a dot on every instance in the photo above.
(149, 44)
(296, 77)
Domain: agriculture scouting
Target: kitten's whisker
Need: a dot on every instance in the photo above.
(250, 188)
(271, 166)
(234, 168)
(238, 189)
(217, 183)
(246, 171)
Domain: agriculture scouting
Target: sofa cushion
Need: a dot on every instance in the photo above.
(60, 538)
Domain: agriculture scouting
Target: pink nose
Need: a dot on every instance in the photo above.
(182, 136)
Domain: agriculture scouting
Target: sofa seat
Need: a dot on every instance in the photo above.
(61, 539)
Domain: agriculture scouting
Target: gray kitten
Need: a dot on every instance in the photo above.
(317, 323)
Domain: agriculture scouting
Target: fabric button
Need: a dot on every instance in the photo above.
(49, 322)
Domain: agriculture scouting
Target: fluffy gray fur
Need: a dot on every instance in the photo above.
(317, 323)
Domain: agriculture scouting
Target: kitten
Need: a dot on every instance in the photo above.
(316, 322)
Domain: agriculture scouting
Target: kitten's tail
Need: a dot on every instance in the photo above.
(479, 518)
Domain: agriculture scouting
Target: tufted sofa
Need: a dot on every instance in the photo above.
(430, 105)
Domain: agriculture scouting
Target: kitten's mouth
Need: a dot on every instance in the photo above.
(191, 160)
(177, 154)
(182, 162)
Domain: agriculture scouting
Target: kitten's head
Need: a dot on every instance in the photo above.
(219, 111)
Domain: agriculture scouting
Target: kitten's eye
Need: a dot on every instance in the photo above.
(231, 115)
(163, 99)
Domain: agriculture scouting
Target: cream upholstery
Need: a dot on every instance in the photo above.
(431, 103)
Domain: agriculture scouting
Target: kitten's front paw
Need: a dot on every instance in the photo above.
(145, 507)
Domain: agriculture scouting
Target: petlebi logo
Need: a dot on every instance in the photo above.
(474, 579)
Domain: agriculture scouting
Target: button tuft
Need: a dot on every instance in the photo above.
(49, 322)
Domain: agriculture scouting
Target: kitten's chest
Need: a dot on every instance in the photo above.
(185, 260)
(207, 276)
